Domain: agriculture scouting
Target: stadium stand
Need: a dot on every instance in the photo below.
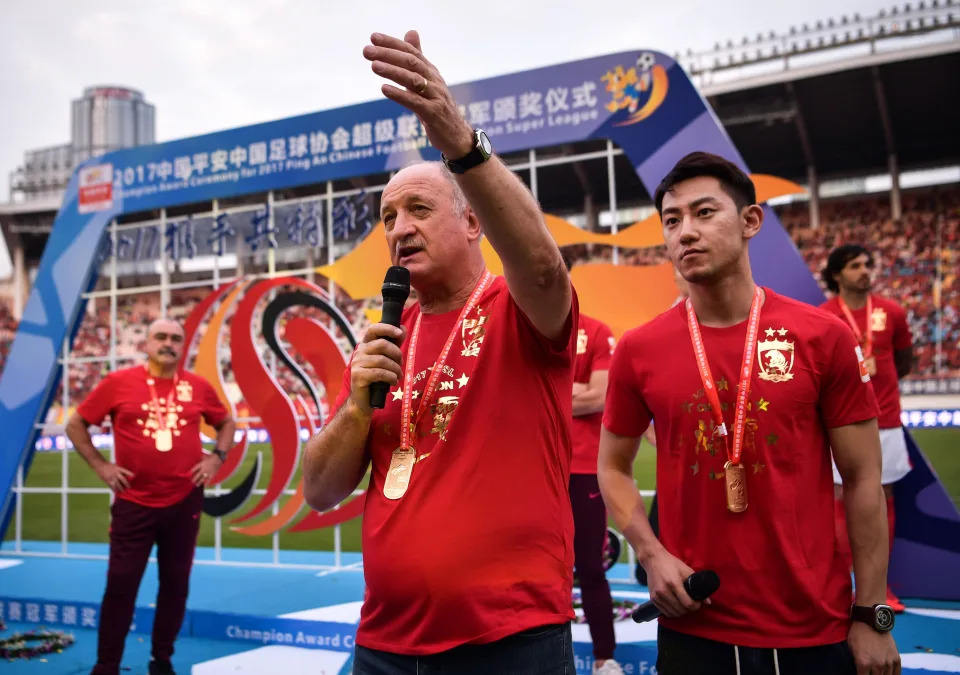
(908, 252)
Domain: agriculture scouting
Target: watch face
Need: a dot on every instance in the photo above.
(485, 143)
(883, 618)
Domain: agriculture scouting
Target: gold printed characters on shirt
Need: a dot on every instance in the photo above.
(472, 332)
(442, 412)
(709, 453)
(775, 355)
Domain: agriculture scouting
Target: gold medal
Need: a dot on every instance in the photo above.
(164, 440)
(163, 437)
(734, 473)
(401, 463)
(736, 479)
(398, 475)
(870, 363)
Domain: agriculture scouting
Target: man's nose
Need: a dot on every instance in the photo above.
(403, 225)
(688, 230)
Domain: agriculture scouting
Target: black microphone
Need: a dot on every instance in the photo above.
(396, 290)
(699, 586)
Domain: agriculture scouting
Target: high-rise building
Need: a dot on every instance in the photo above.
(109, 118)
(105, 118)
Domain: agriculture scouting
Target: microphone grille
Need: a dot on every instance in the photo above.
(397, 275)
(396, 285)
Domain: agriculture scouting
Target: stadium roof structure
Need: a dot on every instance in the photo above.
(849, 121)
(843, 116)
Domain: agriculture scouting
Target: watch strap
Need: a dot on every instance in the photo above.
(475, 157)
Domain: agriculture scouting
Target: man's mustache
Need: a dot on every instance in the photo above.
(167, 350)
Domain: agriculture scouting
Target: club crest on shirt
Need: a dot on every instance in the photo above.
(581, 341)
(878, 320)
(775, 356)
(184, 391)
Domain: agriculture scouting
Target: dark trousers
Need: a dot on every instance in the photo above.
(682, 654)
(133, 531)
(547, 650)
(589, 539)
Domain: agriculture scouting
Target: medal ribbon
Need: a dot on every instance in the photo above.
(746, 372)
(868, 343)
(161, 417)
(434, 379)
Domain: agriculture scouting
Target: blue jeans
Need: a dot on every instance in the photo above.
(546, 650)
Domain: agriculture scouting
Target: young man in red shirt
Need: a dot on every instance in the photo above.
(158, 479)
(880, 327)
(467, 525)
(595, 343)
(748, 390)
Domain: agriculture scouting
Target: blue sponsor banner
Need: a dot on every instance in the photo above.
(50, 612)
(266, 630)
(67, 615)
(931, 418)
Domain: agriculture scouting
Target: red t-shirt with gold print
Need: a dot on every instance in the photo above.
(160, 478)
(481, 544)
(782, 582)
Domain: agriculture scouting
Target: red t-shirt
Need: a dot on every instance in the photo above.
(595, 343)
(890, 334)
(481, 544)
(782, 582)
(160, 478)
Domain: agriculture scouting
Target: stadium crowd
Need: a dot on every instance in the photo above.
(918, 258)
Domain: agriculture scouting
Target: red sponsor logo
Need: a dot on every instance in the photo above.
(96, 188)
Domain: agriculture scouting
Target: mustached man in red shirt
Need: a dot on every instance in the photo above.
(467, 525)
(880, 327)
(158, 478)
(748, 390)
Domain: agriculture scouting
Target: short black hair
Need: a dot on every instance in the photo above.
(838, 259)
(735, 182)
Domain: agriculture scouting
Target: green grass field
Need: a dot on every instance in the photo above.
(88, 514)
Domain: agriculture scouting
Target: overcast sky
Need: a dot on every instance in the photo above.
(208, 66)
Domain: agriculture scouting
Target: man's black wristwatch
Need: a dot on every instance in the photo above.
(482, 151)
(878, 617)
(221, 454)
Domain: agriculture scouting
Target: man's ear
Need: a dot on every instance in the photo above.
(752, 220)
(474, 231)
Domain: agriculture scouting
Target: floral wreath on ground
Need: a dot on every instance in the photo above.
(33, 643)
(622, 609)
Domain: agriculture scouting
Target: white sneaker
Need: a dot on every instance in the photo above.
(609, 667)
